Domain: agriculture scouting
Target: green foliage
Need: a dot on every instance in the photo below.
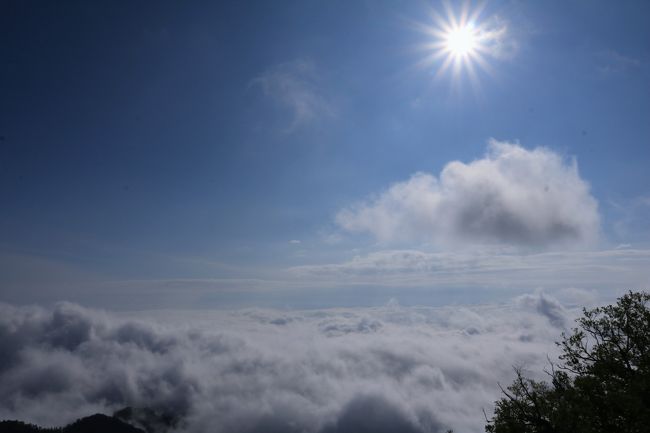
(601, 385)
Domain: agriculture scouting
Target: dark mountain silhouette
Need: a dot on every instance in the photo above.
(99, 423)
(127, 420)
(21, 427)
(147, 419)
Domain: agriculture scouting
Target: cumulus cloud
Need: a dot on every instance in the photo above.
(546, 306)
(512, 196)
(294, 85)
(411, 369)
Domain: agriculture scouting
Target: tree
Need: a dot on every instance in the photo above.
(602, 383)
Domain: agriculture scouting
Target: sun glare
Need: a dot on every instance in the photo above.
(461, 41)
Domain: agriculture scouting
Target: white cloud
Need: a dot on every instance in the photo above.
(420, 369)
(512, 196)
(603, 270)
(294, 85)
(547, 306)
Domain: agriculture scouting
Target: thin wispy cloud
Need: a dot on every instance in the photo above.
(613, 62)
(489, 268)
(630, 218)
(497, 38)
(295, 87)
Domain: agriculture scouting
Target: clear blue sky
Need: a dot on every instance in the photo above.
(243, 153)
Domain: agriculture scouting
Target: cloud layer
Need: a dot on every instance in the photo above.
(513, 196)
(602, 270)
(384, 369)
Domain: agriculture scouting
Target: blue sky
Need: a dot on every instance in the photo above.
(257, 153)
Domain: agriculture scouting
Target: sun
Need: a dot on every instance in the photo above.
(461, 41)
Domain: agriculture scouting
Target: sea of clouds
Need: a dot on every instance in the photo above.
(386, 369)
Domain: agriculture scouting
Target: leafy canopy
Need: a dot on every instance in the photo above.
(602, 383)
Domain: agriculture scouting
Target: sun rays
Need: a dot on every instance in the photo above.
(461, 42)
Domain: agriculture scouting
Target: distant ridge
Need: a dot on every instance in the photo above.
(127, 420)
